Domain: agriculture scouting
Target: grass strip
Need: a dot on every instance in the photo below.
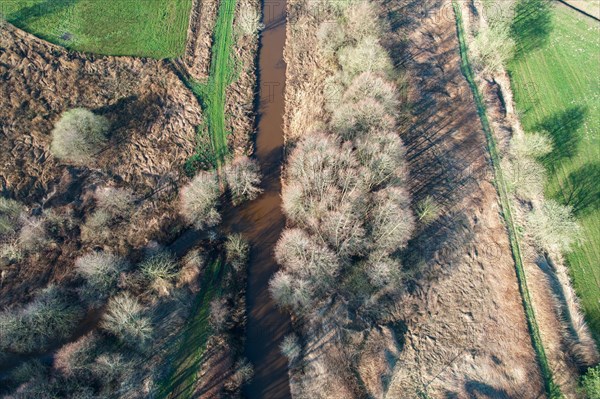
(212, 93)
(552, 389)
(188, 358)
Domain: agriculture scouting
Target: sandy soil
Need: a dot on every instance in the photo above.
(153, 119)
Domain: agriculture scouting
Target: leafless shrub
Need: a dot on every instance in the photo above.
(525, 177)
(361, 20)
(492, 48)
(331, 37)
(367, 56)
(391, 220)
(124, 318)
(219, 314)
(79, 135)
(428, 210)
(290, 347)
(160, 271)
(10, 252)
(355, 120)
(243, 372)
(382, 153)
(49, 317)
(237, 250)
(248, 20)
(33, 235)
(10, 210)
(96, 227)
(553, 227)
(115, 201)
(101, 272)
(243, 179)
(199, 201)
(383, 271)
(534, 145)
(374, 86)
(73, 360)
(108, 368)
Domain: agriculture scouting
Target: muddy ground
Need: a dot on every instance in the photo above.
(153, 119)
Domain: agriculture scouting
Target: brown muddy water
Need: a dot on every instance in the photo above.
(267, 325)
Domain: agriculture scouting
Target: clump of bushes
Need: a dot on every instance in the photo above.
(101, 271)
(248, 20)
(243, 179)
(237, 250)
(33, 235)
(125, 319)
(160, 272)
(199, 201)
(50, 317)
(79, 135)
(10, 210)
(113, 205)
(553, 227)
(290, 347)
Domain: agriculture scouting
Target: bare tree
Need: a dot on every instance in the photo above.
(553, 227)
(391, 220)
(199, 200)
(124, 318)
(243, 179)
(79, 135)
(101, 272)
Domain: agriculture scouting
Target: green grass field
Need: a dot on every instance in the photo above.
(212, 93)
(148, 28)
(557, 89)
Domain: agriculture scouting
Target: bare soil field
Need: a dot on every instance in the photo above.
(153, 118)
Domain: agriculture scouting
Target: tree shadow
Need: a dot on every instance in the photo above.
(25, 15)
(582, 190)
(478, 389)
(564, 128)
(531, 25)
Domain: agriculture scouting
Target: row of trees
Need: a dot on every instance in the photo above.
(344, 191)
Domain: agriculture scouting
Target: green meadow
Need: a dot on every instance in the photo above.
(556, 81)
(145, 28)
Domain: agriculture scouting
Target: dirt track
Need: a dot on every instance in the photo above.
(466, 331)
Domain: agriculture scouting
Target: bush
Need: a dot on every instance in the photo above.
(243, 372)
(534, 145)
(367, 56)
(124, 318)
(10, 211)
(96, 227)
(373, 86)
(362, 20)
(237, 250)
(428, 210)
(525, 177)
(359, 120)
(79, 135)
(117, 202)
(243, 179)
(219, 314)
(73, 360)
(199, 201)
(493, 48)
(33, 235)
(590, 383)
(48, 318)
(101, 271)
(553, 227)
(248, 20)
(160, 271)
(290, 347)
(391, 220)
(382, 153)
(383, 271)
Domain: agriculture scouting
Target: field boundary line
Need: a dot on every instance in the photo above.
(571, 6)
(552, 389)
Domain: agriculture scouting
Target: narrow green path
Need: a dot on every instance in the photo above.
(186, 361)
(212, 93)
(552, 389)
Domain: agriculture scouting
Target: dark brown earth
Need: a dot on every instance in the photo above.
(153, 119)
